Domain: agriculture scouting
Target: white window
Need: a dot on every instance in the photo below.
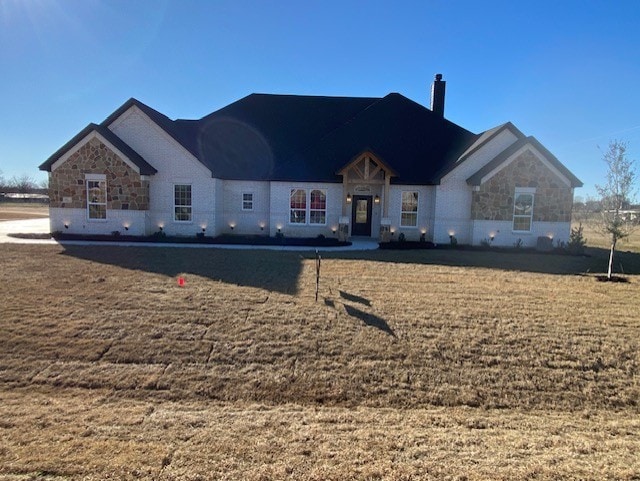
(523, 209)
(247, 201)
(97, 199)
(308, 207)
(409, 212)
(298, 206)
(318, 207)
(182, 203)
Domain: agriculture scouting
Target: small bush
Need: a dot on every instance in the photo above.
(402, 237)
(115, 233)
(577, 242)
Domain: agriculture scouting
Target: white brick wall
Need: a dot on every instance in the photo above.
(245, 221)
(426, 207)
(79, 223)
(453, 195)
(505, 237)
(175, 165)
(279, 206)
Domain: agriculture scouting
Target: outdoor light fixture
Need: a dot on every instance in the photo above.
(376, 199)
(126, 227)
(160, 227)
(262, 224)
(333, 229)
(491, 237)
(204, 229)
(348, 198)
(66, 226)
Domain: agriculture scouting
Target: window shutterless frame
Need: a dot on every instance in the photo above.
(409, 209)
(182, 205)
(96, 185)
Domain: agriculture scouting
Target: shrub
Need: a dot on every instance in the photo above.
(577, 242)
(401, 237)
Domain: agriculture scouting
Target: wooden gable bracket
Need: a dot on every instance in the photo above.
(365, 167)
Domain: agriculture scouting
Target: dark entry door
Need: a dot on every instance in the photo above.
(361, 215)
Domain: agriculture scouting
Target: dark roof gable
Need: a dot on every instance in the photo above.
(310, 138)
(476, 178)
(113, 139)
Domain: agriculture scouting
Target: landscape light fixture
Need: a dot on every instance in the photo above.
(348, 198)
(376, 199)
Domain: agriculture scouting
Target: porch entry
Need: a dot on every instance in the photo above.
(361, 215)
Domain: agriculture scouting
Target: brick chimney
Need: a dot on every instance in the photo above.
(437, 95)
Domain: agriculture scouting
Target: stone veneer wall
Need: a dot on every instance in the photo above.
(125, 189)
(552, 201)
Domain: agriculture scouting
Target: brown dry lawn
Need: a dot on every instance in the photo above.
(18, 211)
(412, 365)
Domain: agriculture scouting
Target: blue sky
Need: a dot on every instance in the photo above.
(567, 72)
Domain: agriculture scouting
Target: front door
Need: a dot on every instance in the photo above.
(361, 215)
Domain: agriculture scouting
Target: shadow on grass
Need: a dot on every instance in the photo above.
(280, 271)
(354, 298)
(595, 260)
(369, 319)
(273, 271)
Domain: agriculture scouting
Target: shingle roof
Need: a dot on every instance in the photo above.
(302, 138)
(476, 178)
(132, 155)
(310, 138)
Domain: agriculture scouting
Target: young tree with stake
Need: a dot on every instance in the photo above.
(615, 194)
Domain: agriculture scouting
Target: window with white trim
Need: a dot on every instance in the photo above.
(298, 206)
(523, 209)
(318, 207)
(96, 199)
(409, 210)
(182, 202)
(308, 207)
(247, 201)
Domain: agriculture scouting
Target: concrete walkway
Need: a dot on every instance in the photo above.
(41, 226)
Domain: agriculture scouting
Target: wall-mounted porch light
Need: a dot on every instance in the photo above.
(376, 199)
(348, 198)
(262, 224)
(66, 225)
(232, 225)
(492, 236)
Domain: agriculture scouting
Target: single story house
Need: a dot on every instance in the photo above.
(309, 165)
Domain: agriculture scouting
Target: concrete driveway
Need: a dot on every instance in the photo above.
(28, 226)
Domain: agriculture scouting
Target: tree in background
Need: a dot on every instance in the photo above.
(23, 184)
(2, 184)
(616, 195)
